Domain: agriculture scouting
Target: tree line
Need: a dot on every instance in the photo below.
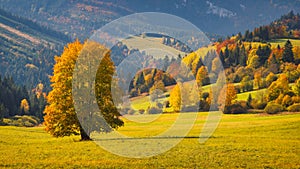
(15, 100)
(285, 27)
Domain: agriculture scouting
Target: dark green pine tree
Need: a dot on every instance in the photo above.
(246, 36)
(249, 101)
(288, 55)
(222, 58)
(278, 47)
(140, 79)
(226, 56)
(243, 56)
(236, 55)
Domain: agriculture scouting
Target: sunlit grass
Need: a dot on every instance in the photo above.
(258, 94)
(281, 42)
(240, 141)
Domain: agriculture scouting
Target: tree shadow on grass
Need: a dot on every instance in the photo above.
(151, 138)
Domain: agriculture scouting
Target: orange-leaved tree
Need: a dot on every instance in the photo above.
(61, 119)
(227, 95)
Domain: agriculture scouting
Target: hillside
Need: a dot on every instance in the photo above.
(27, 50)
(262, 66)
(140, 43)
(79, 18)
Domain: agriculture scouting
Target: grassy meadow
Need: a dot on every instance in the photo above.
(152, 45)
(281, 42)
(240, 141)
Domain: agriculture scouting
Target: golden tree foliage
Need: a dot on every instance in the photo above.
(287, 101)
(175, 98)
(257, 82)
(296, 51)
(296, 87)
(188, 60)
(280, 86)
(216, 64)
(231, 94)
(228, 93)
(270, 78)
(60, 119)
(202, 76)
(253, 61)
(24, 106)
(104, 98)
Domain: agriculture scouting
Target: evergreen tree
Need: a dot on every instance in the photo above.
(246, 36)
(288, 55)
(278, 47)
(11, 96)
(249, 101)
(263, 53)
(227, 57)
(243, 56)
(222, 58)
(236, 55)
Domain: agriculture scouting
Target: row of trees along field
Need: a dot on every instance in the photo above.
(248, 66)
(285, 27)
(16, 101)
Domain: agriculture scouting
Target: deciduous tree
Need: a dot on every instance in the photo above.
(24, 106)
(202, 76)
(175, 98)
(280, 86)
(61, 119)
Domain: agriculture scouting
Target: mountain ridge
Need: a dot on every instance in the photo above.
(80, 18)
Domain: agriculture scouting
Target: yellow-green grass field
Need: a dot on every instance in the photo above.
(281, 42)
(151, 46)
(275, 42)
(240, 141)
(254, 94)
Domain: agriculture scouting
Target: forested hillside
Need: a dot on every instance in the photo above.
(79, 18)
(16, 101)
(256, 60)
(27, 50)
(265, 58)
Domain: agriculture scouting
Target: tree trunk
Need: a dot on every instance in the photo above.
(84, 136)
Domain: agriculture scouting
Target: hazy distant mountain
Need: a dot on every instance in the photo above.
(79, 18)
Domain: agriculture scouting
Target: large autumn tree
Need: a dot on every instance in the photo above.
(61, 119)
